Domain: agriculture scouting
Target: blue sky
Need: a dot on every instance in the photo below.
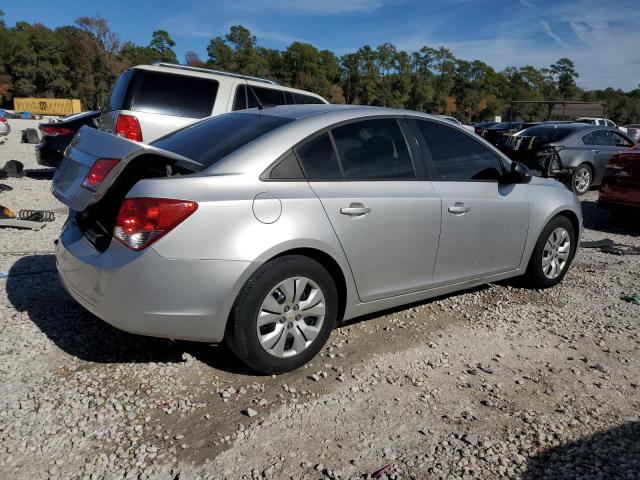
(602, 37)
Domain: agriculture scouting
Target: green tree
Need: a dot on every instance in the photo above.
(564, 74)
(162, 46)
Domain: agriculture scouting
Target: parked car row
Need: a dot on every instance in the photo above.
(214, 207)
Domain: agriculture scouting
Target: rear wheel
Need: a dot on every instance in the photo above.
(283, 315)
(552, 254)
(581, 179)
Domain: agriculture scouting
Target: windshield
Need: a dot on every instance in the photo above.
(547, 134)
(211, 140)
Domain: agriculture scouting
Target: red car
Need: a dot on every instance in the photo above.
(620, 187)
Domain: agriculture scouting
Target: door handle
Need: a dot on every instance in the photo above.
(458, 208)
(595, 151)
(355, 209)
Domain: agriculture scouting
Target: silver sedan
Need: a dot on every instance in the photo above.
(267, 227)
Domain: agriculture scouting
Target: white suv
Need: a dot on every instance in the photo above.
(602, 122)
(149, 101)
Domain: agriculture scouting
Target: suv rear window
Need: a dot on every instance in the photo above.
(211, 140)
(168, 94)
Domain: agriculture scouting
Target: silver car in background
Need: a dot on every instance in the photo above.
(5, 128)
(264, 228)
(575, 152)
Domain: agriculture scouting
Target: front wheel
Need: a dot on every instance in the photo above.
(283, 315)
(552, 254)
(581, 179)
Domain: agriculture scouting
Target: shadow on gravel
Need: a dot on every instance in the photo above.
(613, 454)
(33, 287)
(602, 220)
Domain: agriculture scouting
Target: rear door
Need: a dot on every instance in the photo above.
(484, 222)
(384, 212)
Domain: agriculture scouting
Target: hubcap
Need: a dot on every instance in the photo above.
(291, 317)
(582, 180)
(556, 253)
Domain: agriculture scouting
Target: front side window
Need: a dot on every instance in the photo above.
(373, 150)
(458, 157)
(318, 159)
(618, 140)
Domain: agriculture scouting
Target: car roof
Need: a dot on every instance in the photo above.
(569, 125)
(298, 112)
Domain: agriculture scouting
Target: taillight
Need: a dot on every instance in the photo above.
(3, 120)
(98, 173)
(56, 131)
(142, 221)
(127, 126)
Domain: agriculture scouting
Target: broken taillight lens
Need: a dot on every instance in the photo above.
(142, 221)
(98, 172)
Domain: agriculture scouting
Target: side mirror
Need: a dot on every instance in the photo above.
(519, 173)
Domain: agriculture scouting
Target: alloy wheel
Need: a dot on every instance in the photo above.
(556, 253)
(290, 317)
(582, 180)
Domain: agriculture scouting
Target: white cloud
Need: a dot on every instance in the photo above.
(526, 3)
(546, 28)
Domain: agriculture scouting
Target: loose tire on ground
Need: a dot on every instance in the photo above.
(244, 334)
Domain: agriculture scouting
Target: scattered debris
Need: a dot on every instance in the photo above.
(250, 412)
(12, 168)
(37, 215)
(30, 135)
(609, 246)
(382, 471)
(635, 299)
(5, 188)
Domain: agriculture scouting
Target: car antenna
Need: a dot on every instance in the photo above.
(255, 95)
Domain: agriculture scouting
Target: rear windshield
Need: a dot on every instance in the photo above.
(164, 93)
(548, 134)
(212, 139)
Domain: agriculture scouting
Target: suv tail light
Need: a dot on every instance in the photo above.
(142, 221)
(98, 172)
(52, 131)
(3, 120)
(128, 126)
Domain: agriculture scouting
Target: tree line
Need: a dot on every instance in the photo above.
(83, 60)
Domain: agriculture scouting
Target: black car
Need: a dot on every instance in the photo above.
(495, 133)
(482, 126)
(57, 135)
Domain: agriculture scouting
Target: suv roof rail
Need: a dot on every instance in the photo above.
(218, 72)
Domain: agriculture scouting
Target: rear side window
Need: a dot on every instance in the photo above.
(211, 140)
(171, 94)
(597, 137)
(373, 150)
(306, 99)
(245, 98)
(458, 157)
(318, 159)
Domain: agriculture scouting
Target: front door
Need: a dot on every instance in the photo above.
(484, 222)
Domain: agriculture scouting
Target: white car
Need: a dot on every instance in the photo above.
(601, 122)
(150, 101)
(458, 122)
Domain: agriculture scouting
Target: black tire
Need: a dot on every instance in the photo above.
(241, 336)
(581, 171)
(535, 276)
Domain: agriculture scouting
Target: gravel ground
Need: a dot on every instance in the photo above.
(497, 382)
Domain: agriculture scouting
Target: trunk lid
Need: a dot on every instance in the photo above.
(87, 147)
